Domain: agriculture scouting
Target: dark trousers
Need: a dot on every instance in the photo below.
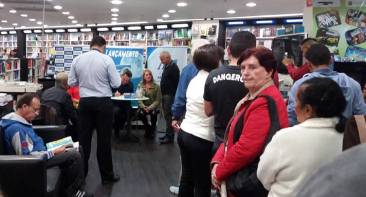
(167, 102)
(71, 166)
(196, 156)
(149, 128)
(97, 113)
(122, 115)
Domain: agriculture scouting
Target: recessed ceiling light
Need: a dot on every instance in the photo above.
(65, 13)
(116, 2)
(45, 25)
(114, 10)
(182, 4)
(114, 19)
(37, 31)
(251, 4)
(165, 16)
(57, 7)
(172, 11)
(149, 27)
(114, 22)
(118, 28)
(115, 15)
(13, 11)
(32, 19)
(4, 21)
(23, 27)
(159, 20)
(15, 24)
(24, 15)
(231, 11)
(39, 23)
(74, 21)
(71, 17)
(1, 5)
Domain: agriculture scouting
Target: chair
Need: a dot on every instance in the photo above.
(27, 175)
(47, 116)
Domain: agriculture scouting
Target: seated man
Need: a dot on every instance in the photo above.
(20, 139)
(123, 109)
(58, 98)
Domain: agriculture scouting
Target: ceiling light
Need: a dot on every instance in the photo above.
(149, 27)
(134, 28)
(118, 28)
(165, 16)
(27, 31)
(85, 30)
(1, 5)
(48, 31)
(80, 25)
(294, 20)
(39, 23)
(162, 26)
(115, 15)
(116, 2)
(102, 29)
(57, 7)
(114, 19)
(23, 27)
(180, 25)
(37, 31)
(231, 11)
(114, 10)
(45, 25)
(236, 23)
(24, 15)
(159, 20)
(15, 24)
(251, 4)
(72, 30)
(32, 19)
(4, 21)
(74, 21)
(4, 32)
(65, 13)
(12, 32)
(71, 17)
(114, 22)
(264, 22)
(182, 4)
(13, 11)
(60, 30)
(172, 11)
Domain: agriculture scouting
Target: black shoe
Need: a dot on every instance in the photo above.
(82, 193)
(113, 179)
(167, 140)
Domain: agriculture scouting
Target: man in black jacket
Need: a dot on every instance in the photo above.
(168, 84)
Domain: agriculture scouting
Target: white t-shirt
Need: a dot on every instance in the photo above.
(195, 121)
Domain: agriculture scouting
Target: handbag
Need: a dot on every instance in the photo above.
(245, 182)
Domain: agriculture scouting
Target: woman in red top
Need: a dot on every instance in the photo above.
(75, 95)
(257, 69)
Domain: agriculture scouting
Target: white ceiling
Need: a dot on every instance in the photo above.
(98, 11)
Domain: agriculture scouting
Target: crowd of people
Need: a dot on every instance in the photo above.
(236, 132)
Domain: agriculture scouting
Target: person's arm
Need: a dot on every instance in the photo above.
(72, 78)
(297, 73)
(358, 104)
(292, 118)
(157, 100)
(70, 110)
(207, 96)
(141, 103)
(114, 78)
(208, 108)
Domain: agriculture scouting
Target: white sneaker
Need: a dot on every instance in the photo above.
(174, 190)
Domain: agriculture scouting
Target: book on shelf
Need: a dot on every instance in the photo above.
(64, 142)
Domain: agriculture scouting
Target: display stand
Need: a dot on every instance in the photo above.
(10, 69)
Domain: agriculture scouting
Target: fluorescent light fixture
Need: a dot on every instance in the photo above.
(4, 32)
(102, 29)
(159, 20)
(12, 32)
(71, 17)
(79, 25)
(114, 22)
(231, 11)
(57, 7)
(48, 31)
(179, 20)
(261, 22)
(251, 4)
(4, 21)
(27, 31)
(37, 31)
(116, 2)
(114, 15)
(236, 23)
(118, 28)
(45, 25)
(172, 11)
(60, 30)
(1, 5)
(13, 11)
(299, 20)
(24, 15)
(134, 28)
(15, 24)
(74, 21)
(162, 26)
(183, 25)
(114, 19)
(182, 4)
(32, 19)
(23, 27)
(39, 23)
(114, 10)
(149, 27)
(165, 16)
(72, 30)
(65, 13)
(85, 30)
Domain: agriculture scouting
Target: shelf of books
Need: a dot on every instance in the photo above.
(33, 69)
(8, 42)
(35, 43)
(10, 69)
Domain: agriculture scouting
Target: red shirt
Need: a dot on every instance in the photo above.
(74, 92)
(297, 73)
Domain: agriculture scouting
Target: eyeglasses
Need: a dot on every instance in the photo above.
(35, 110)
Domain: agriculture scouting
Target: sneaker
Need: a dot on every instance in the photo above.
(82, 193)
(174, 189)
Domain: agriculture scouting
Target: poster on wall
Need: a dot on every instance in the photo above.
(178, 55)
(342, 29)
(131, 58)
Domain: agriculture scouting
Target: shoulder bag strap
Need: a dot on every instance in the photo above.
(361, 127)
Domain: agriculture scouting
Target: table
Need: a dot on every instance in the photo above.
(129, 137)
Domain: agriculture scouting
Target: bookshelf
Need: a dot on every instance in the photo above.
(10, 69)
(33, 69)
(8, 42)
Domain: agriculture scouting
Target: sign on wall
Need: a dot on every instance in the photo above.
(64, 55)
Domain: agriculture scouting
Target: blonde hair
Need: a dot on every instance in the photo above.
(143, 75)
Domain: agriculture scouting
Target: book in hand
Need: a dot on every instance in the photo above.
(66, 142)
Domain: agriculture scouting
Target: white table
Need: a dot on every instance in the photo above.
(124, 98)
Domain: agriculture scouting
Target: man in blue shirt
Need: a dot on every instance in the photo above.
(319, 59)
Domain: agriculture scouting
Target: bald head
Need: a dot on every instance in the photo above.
(61, 80)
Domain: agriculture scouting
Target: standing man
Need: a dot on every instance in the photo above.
(96, 75)
(168, 86)
(224, 85)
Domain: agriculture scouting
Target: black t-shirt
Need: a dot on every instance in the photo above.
(224, 88)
